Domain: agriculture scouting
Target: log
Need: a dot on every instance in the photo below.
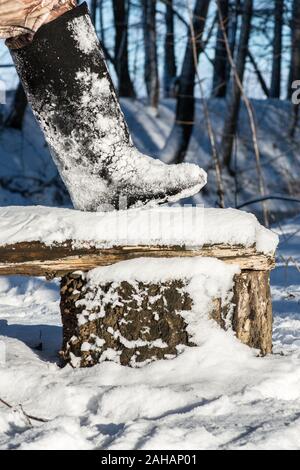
(38, 259)
(142, 322)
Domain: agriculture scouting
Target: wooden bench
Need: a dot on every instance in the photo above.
(250, 318)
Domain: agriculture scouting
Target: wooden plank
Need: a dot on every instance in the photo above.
(38, 259)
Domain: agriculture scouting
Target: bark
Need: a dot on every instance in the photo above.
(142, 326)
(144, 323)
(295, 47)
(252, 319)
(121, 15)
(16, 116)
(277, 49)
(231, 121)
(178, 141)
(221, 60)
(170, 69)
(150, 44)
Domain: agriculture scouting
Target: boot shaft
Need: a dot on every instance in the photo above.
(70, 90)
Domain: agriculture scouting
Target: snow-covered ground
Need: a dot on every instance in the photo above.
(219, 395)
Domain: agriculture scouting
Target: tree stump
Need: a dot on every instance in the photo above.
(134, 323)
(150, 310)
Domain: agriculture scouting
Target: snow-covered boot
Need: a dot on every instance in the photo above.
(67, 82)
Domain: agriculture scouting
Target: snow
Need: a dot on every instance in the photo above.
(82, 28)
(219, 395)
(190, 226)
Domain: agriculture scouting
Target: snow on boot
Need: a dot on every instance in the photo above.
(71, 93)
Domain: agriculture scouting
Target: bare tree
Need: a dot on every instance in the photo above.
(277, 49)
(235, 9)
(93, 6)
(210, 131)
(247, 16)
(150, 42)
(170, 60)
(121, 15)
(221, 61)
(231, 120)
(178, 141)
(16, 116)
(295, 62)
(295, 52)
(101, 21)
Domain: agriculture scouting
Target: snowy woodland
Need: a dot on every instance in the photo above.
(207, 82)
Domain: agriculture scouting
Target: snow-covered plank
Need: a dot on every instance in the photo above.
(42, 241)
(191, 227)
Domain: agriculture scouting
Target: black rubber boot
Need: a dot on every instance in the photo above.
(71, 93)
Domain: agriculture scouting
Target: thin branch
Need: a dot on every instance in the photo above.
(259, 75)
(266, 198)
(29, 417)
(176, 13)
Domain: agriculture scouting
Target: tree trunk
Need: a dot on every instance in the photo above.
(16, 116)
(221, 60)
(178, 141)
(232, 32)
(295, 52)
(101, 22)
(94, 5)
(277, 50)
(121, 15)
(231, 120)
(170, 59)
(295, 63)
(151, 63)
